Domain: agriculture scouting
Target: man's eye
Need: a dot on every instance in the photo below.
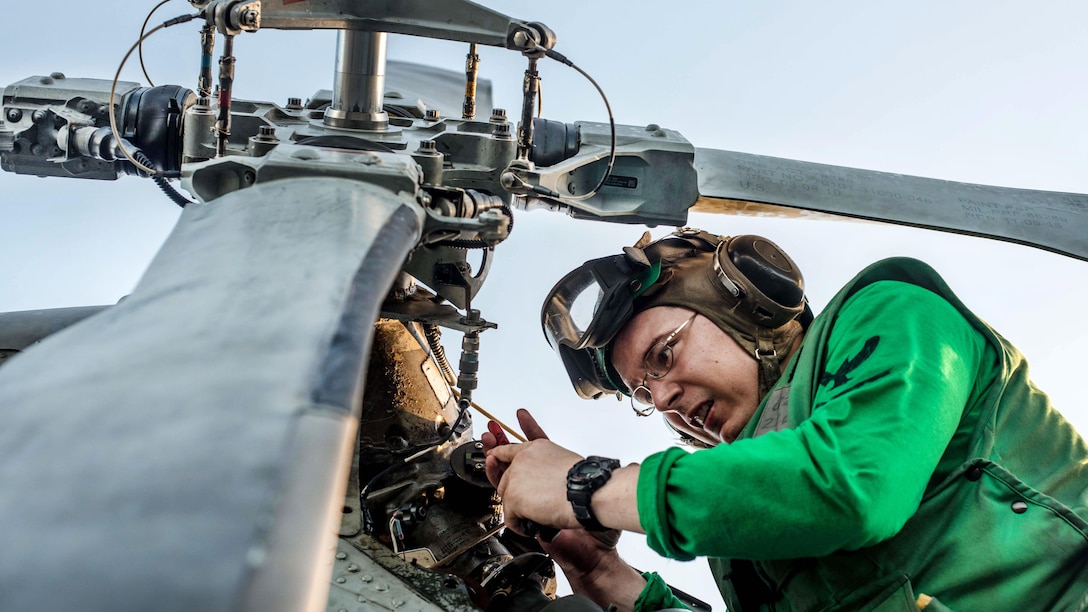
(658, 360)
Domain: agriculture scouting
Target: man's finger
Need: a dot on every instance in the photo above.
(494, 469)
(489, 441)
(506, 452)
(530, 426)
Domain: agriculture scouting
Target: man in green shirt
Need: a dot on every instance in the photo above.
(890, 454)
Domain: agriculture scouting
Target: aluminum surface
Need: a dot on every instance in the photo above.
(1049, 220)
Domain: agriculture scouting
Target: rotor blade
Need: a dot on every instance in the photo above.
(745, 183)
(187, 448)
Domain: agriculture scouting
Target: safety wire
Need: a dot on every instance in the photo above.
(562, 59)
(143, 29)
(113, 90)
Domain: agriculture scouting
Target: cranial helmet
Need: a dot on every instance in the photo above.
(746, 285)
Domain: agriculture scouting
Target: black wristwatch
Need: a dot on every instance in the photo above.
(583, 479)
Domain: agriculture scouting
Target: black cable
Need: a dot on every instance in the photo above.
(368, 520)
(143, 29)
(562, 59)
(159, 179)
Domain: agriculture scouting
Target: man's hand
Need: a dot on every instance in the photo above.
(531, 478)
(588, 559)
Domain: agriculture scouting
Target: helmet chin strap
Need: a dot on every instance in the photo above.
(768, 360)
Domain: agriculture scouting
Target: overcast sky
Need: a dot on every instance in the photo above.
(978, 91)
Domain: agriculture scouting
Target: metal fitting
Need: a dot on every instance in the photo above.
(432, 114)
(498, 115)
(294, 103)
(263, 142)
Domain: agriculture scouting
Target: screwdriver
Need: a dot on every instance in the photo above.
(531, 528)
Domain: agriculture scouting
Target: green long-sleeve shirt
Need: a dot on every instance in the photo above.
(904, 370)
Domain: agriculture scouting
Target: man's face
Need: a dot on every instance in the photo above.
(711, 390)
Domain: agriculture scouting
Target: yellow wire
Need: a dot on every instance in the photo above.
(488, 415)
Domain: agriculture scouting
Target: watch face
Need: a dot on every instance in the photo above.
(589, 470)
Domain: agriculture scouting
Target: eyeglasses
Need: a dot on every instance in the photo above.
(657, 363)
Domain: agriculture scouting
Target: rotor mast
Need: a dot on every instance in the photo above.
(359, 82)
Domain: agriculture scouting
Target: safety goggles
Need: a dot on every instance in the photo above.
(587, 308)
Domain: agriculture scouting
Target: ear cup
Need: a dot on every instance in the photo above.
(769, 270)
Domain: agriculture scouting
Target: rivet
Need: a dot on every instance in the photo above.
(366, 578)
(353, 568)
(974, 473)
(380, 587)
(341, 556)
(341, 580)
(1019, 507)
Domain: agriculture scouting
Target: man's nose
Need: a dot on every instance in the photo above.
(664, 393)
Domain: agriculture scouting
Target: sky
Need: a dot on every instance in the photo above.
(977, 91)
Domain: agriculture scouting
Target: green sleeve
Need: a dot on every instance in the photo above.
(656, 595)
(900, 366)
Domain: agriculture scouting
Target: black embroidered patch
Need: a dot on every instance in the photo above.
(841, 377)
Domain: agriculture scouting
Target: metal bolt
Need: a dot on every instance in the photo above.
(14, 115)
(479, 467)
(57, 75)
(249, 18)
(501, 131)
(38, 116)
(427, 146)
(266, 130)
(294, 103)
(432, 114)
(498, 115)
(478, 445)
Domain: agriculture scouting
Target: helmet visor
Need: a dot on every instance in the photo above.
(587, 307)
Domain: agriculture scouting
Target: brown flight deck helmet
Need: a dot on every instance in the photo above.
(746, 285)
